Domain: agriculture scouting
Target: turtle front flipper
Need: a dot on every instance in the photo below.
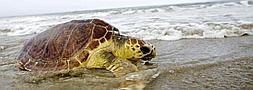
(99, 59)
(120, 67)
(105, 59)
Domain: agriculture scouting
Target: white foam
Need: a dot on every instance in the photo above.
(193, 30)
(218, 20)
(246, 2)
(129, 12)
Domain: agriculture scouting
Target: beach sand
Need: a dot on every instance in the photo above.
(235, 74)
(202, 64)
(192, 64)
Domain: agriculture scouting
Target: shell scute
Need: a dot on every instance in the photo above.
(108, 35)
(99, 22)
(72, 63)
(102, 40)
(98, 32)
(83, 56)
(93, 45)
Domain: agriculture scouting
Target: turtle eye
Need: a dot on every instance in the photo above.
(145, 50)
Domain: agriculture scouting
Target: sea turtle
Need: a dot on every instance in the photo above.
(90, 43)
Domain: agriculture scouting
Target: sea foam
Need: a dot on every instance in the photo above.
(166, 22)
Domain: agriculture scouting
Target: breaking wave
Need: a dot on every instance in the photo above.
(166, 22)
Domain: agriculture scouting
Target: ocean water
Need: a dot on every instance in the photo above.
(167, 22)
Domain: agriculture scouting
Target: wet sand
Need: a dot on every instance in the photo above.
(205, 64)
(229, 75)
(202, 64)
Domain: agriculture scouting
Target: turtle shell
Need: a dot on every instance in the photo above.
(53, 48)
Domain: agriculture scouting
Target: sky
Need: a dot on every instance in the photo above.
(30, 7)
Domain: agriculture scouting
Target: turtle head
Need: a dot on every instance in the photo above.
(134, 49)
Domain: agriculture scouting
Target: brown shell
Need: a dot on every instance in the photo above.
(54, 48)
